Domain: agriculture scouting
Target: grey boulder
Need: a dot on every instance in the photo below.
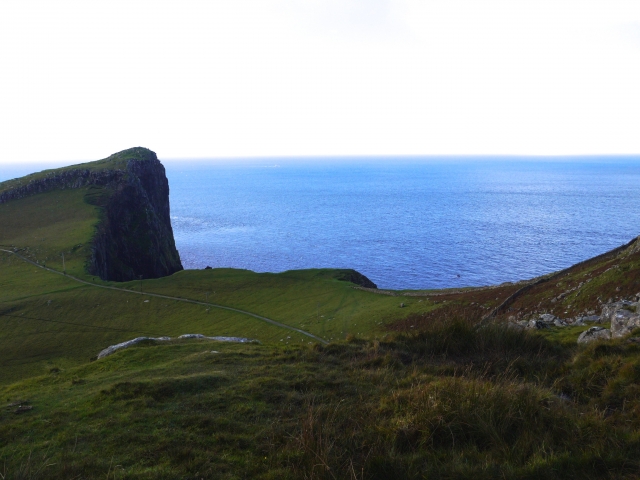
(548, 318)
(594, 334)
(537, 325)
(558, 322)
(623, 322)
(610, 309)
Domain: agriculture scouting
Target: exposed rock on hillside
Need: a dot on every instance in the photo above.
(130, 343)
(578, 289)
(594, 334)
(63, 179)
(353, 276)
(134, 236)
(624, 316)
(623, 323)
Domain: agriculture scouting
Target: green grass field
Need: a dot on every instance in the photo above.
(35, 301)
(49, 318)
(51, 224)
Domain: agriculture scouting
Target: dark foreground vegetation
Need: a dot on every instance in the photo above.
(453, 401)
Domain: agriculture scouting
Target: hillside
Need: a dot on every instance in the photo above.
(344, 381)
(570, 294)
(449, 402)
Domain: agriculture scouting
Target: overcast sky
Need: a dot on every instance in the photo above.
(80, 80)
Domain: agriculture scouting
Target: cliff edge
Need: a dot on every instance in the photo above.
(133, 236)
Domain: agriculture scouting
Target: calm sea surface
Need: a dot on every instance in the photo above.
(405, 224)
(426, 223)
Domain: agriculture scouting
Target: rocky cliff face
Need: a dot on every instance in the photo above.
(353, 276)
(68, 178)
(134, 236)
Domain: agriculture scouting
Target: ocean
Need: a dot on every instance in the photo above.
(416, 223)
(406, 223)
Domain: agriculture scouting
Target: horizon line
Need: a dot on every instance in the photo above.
(352, 157)
(391, 155)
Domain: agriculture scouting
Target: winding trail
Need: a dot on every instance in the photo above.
(180, 299)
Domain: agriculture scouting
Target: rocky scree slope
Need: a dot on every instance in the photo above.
(133, 236)
(572, 297)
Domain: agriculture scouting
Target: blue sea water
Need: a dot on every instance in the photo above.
(405, 223)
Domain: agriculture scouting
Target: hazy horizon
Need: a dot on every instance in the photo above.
(10, 171)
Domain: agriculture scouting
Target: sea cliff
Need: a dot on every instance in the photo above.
(133, 236)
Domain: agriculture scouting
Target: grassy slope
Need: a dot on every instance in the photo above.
(32, 339)
(576, 291)
(309, 299)
(34, 302)
(586, 287)
(450, 402)
(47, 225)
(65, 324)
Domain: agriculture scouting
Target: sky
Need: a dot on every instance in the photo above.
(80, 80)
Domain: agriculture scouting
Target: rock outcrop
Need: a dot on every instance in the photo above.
(62, 179)
(624, 316)
(610, 309)
(593, 334)
(623, 323)
(539, 322)
(130, 343)
(133, 237)
(355, 277)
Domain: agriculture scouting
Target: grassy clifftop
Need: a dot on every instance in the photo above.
(113, 163)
